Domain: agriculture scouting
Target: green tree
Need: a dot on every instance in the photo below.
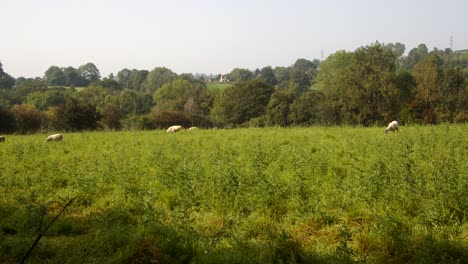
(44, 100)
(238, 74)
(54, 76)
(137, 78)
(76, 116)
(397, 48)
(157, 78)
(7, 121)
(180, 95)
(282, 74)
(415, 56)
(4, 100)
(278, 108)
(304, 65)
(124, 79)
(454, 96)
(107, 83)
(361, 87)
(128, 100)
(242, 102)
(307, 109)
(6, 81)
(73, 77)
(110, 117)
(427, 74)
(94, 95)
(268, 75)
(332, 81)
(89, 72)
(24, 87)
(27, 118)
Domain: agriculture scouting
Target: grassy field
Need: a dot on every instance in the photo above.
(272, 195)
(218, 85)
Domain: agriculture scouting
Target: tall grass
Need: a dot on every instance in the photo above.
(273, 195)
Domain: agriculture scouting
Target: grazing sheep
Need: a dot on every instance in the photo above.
(2, 139)
(56, 137)
(192, 128)
(174, 129)
(392, 126)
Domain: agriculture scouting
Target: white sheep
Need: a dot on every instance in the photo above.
(2, 139)
(55, 137)
(192, 128)
(174, 129)
(393, 126)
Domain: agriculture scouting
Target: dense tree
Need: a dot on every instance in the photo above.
(376, 85)
(397, 48)
(124, 79)
(301, 78)
(371, 85)
(54, 76)
(453, 96)
(89, 72)
(73, 77)
(307, 109)
(414, 56)
(304, 72)
(332, 81)
(278, 108)
(165, 119)
(6, 81)
(304, 65)
(46, 99)
(7, 121)
(131, 79)
(361, 87)
(94, 95)
(77, 115)
(428, 76)
(282, 74)
(137, 78)
(268, 75)
(238, 74)
(4, 100)
(128, 100)
(27, 118)
(181, 95)
(24, 87)
(110, 117)
(242, 102)
(107, 83)
(157, 78)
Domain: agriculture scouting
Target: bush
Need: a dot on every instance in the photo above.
(164, 119)
(27, 118)
(7, 121)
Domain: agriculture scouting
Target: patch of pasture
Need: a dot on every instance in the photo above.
(319, 194)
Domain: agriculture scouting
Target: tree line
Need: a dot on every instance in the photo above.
(369, 86)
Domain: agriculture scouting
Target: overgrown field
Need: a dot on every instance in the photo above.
(272, 195)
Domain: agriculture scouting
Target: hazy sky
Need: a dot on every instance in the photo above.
(210, 36)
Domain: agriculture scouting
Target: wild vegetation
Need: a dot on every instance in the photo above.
(372, 85)
(270, 195)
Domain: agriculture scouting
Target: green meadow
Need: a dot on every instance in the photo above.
(270, 195)
(218, 85)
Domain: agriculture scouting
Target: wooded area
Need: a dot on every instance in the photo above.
(372, 85)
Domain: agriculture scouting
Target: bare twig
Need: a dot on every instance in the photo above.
(45, 230)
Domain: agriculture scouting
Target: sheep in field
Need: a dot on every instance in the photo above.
(192, 128)
(55, 137)
(174, 129)
(393, 126)
(2, 139)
